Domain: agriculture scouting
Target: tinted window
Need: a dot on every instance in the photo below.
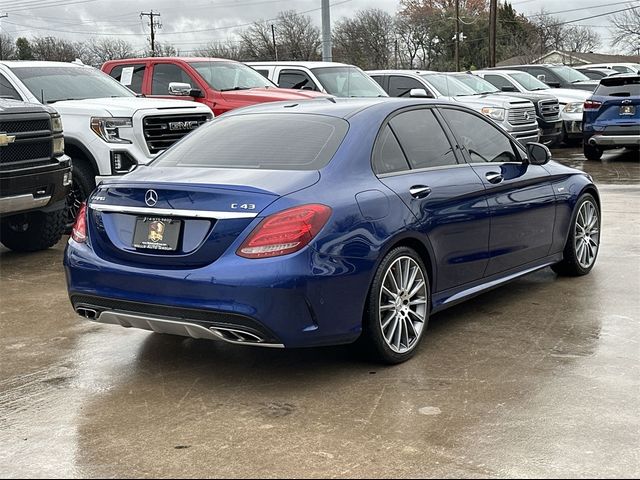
(379, 79)
(166, 73)
(130, 76)
(568, 74)
(594, 74)
(7, 90)
(264, 73)
(389, 157)
(498, 81)
(278, 142)
(619, 87)
(548, 75)
(295, 79)
(422, 138)
(483, 141)
(402, 86)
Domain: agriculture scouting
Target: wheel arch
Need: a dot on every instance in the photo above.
(76, 149)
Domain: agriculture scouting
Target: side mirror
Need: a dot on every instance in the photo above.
(538, 153)
(542, 77)
(509, 88)
(180, 89)
(418, 93)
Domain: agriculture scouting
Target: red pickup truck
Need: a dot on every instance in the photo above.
(220, 84)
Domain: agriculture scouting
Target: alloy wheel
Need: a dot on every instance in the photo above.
(587, 234)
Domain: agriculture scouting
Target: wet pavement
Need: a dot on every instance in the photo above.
(540, 378)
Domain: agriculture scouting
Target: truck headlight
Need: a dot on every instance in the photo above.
(574, 107)
(58, 146)
(107, 128)
(56, 124)
(495, 113)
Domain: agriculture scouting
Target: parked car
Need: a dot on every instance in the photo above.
(621, 67)
(612, 115)
(558, 76)
(220, 84)
(283, 242)
(595, 73)
(571, 100)
(516, 115)
(108, 131)
(338, 79)
(547, 106)
(35, 175)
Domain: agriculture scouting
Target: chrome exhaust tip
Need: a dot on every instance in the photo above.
(593, 142)
(87, 313)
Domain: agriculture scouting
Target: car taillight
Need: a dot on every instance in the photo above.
(285, 232)
(79, 232)
(592, 105)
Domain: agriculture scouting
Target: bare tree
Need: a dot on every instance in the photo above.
(7, 47)
(98, 51)
(55, 49)
(626, 30)
(256, 42)
(366, 40)
(580, 39)
(550, 32)
(162, 50)
(229, 49)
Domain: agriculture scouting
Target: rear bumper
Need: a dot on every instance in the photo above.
(614, 140)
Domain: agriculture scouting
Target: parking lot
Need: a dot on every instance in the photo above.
(539, 378)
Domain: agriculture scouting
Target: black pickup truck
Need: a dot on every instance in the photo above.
(35, 176)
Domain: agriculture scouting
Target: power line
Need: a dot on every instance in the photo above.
(153, 24)
(49, 4)
(580, 9)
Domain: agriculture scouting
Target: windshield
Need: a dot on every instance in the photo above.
(348, 82)
(222, 143)
(479, 85)
(569, 74)
(225, 76)
(52, 84)
(529, 82)
(448, 86)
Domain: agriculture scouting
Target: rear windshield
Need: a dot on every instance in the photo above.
(265, 141)
(619, 87)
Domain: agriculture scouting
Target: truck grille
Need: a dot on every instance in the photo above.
(32, 146)
(522, 115)
(549, 109)
(160, 132)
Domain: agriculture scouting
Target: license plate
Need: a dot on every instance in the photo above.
(627, 110)
(156, 233)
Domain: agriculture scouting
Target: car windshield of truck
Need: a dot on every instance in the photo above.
(479, 85)
(569, 74)
(619, 86)
(227, 76)
(53, 84)
(348, 82)
(448, 86)
(222, 143)
(529, 82)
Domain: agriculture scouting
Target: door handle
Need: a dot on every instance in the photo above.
(494, 177)
(419, 191)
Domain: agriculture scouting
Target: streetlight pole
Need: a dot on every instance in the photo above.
(326, 32)
(457, 54)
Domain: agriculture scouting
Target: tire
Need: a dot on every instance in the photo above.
(579, 260)
(30, 232)
(84, 181)
(392, 331)
(591, 152)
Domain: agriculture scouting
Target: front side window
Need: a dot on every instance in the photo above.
(498, 81)
(401, 86)
(310, 143)
(227, 76)
(130, 76)
(347, 82)
(568, 74)
(53, 84)
(7, 90)
(482, 140)
(295, 79)
(423, 139)
(166, 73)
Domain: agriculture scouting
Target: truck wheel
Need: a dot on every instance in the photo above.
(84, 181)
(33, 231)
(591, 152)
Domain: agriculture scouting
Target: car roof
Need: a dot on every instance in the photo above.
(392, 72)
(294, 63)
(173, 59)
(41, 63)
(505, 71)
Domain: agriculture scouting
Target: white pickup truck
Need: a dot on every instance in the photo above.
(108, 129)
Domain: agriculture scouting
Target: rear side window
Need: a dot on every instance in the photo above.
(619, 87)
(277, 142)
(129, 75)
(423, 139)
(388, 157)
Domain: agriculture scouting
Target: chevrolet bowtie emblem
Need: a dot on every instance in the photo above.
(6, 139)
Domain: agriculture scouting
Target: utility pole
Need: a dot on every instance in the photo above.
(273, 36)
(326, 32)
(493, 26)
(4, 15)
(153, 24)
(457, 55)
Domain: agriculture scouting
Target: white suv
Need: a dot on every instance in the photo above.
(108, 130)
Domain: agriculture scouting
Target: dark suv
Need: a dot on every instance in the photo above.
(558, 76)
(611, 117)
(35, 176)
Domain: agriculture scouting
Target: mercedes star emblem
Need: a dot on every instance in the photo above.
(151, 198)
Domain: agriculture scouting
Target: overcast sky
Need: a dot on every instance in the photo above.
(190, 24)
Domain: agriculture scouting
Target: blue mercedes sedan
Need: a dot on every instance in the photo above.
(324, 222)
